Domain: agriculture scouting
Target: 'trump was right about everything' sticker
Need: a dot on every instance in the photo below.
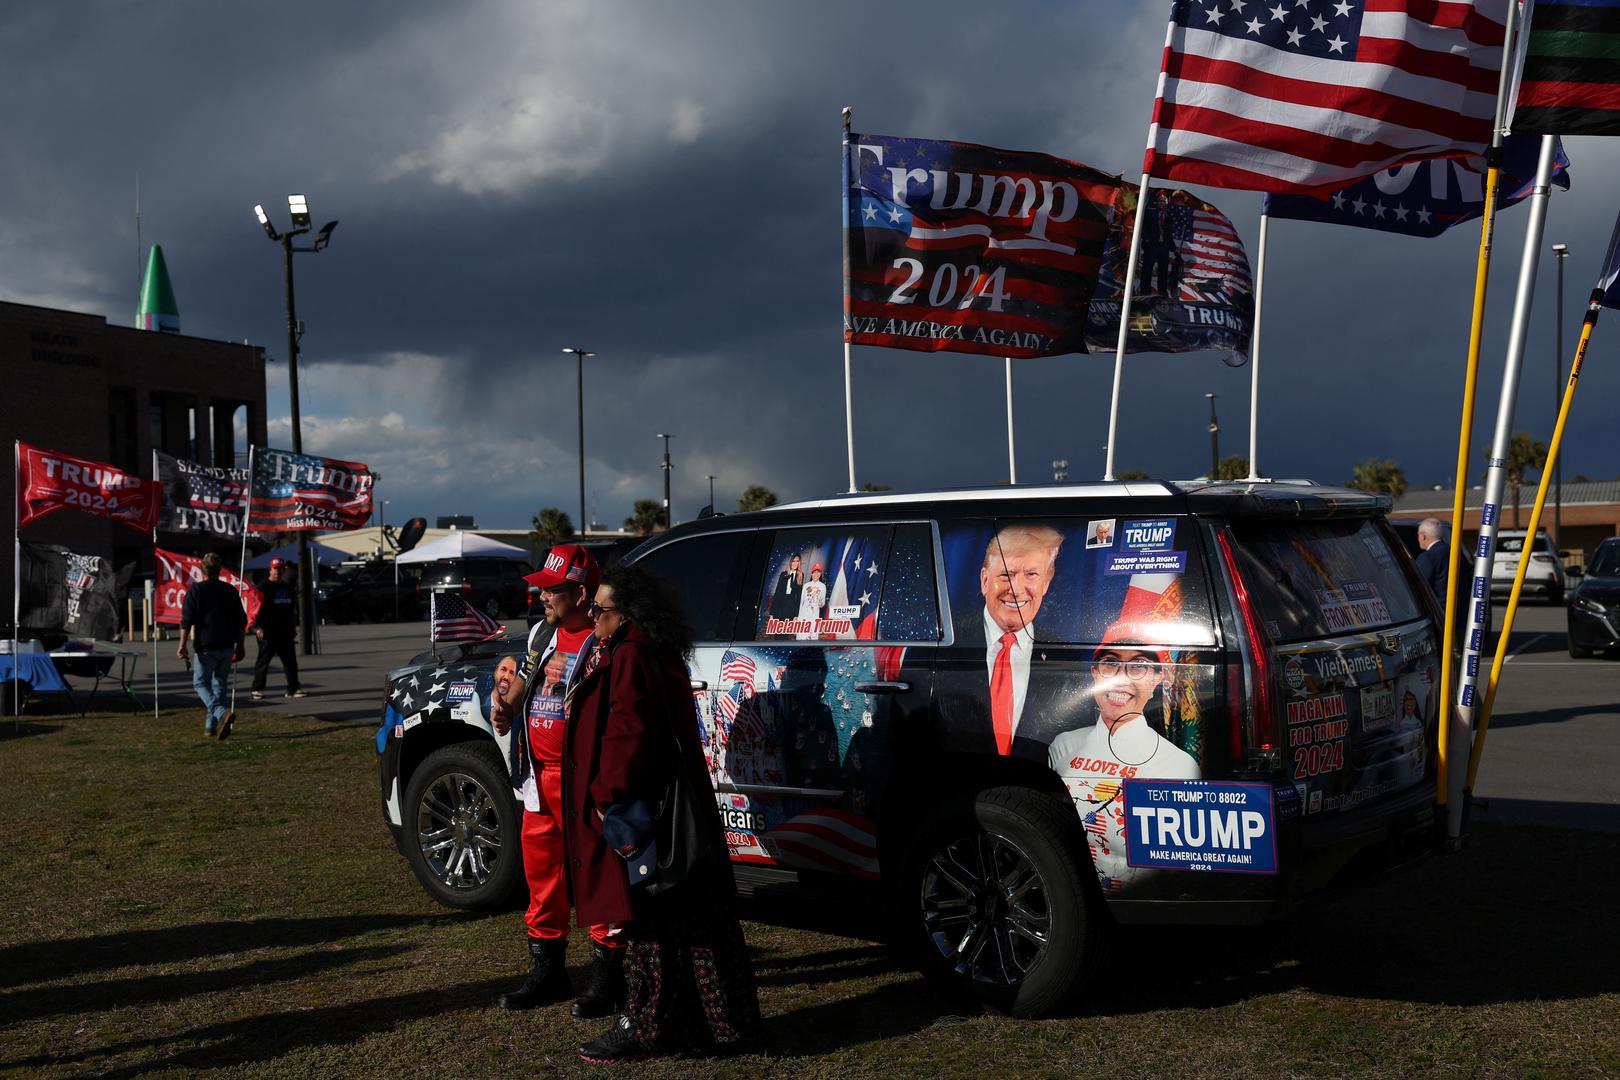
(1203, 825)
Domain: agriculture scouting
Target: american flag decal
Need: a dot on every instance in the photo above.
(827, 840)
(453, 619)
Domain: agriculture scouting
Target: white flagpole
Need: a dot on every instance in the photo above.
(1496, 479)
(154, 600)
(241, 563)
(1012, 449)
(1254, 355)
(16, 582)
(849, 399)
(1124, 324)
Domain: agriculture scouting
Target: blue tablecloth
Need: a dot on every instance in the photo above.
(36, 670)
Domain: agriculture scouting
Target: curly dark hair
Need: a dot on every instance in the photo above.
(648, 603)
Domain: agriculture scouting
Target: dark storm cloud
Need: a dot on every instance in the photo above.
(659, 183)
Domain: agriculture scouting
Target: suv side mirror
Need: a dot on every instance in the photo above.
(1575, 572)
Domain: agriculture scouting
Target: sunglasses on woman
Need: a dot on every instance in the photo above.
(596, 611)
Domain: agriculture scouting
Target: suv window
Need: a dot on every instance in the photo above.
(1606, 562)
(910, 607)
(1322, 579)
(703, 572)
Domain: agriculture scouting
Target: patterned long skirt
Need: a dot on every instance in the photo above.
(690, 982)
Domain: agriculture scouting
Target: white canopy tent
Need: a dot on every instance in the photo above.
(462, 545)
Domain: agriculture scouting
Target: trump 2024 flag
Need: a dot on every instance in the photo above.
(48, 481)
(963, 248)
(300, 492)
(1302, 95)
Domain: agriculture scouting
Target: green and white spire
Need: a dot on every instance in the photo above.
(157, 310)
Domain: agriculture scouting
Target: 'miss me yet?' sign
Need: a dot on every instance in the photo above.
(1201, 825)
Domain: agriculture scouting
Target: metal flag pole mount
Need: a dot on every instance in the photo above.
(1012, 449)
(1594, 307)
(849, 404)
(1496, 478)
(1254, 355)
(1124, 324)
(1451, 722)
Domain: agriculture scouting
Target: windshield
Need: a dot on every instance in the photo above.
(1606, 563)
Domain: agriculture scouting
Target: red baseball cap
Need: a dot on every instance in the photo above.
(277, 563)
(567, 564)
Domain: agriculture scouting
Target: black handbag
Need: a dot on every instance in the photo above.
(685, 845)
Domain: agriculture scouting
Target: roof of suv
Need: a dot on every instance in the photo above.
(1273, 496)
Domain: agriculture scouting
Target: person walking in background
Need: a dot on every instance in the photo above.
(690, 983)
(1433, 561)
(536, 691)
(212, 611)
(277, 630)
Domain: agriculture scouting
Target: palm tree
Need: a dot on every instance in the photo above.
(551, 526)
(1379, 475)
(646, 517)
(1131, 474)
(756, 498)
(1524, 453)
(1233, 467)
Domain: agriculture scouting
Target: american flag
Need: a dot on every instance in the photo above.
(730, 702)
(455, 620)
(1303, 95)
(827, 840)
(737, 667)
(1217, 266)
(298, 492)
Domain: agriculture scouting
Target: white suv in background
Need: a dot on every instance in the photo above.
(1545, 577)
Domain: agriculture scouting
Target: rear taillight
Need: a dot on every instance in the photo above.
(466, 586)
(1538, 557)
(1257, 656)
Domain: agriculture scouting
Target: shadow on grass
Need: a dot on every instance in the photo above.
(11, 728)
(256, 1039)
(51, 960)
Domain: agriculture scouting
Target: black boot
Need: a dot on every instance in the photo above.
(547, 980)
(618, 1045)
(605, 994)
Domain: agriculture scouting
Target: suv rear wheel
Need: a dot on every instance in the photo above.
(461, 827)
(995, 901)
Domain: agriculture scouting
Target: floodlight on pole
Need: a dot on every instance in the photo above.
(579, 384)
(298, 207)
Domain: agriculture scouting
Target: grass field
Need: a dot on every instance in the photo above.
(177, 906)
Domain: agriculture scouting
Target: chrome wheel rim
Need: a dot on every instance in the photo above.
(458, 831)
(985, 909)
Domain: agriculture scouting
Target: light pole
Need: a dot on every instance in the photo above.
(579, 383)
(711, 491)
(1561, 252)
(669, 512)
(1214, 441)
(298, 209)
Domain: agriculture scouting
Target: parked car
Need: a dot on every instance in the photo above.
(1017, 716)
(493, 586)
(1594, 603)
(1545, 576)
(376, 591)
(607, 551)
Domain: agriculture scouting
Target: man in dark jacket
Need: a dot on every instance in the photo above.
(213, 611)
(276, 627)
(1433, 561)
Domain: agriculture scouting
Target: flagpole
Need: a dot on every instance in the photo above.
(1496, 467)
(154, 621)
(1451, 722)
(1254, 354)
(16, 583)
(241, 563)
(1012, 455)
(1593, 308)
(849, 400)
(1124, 324)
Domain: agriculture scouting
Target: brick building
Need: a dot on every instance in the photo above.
(75, 383)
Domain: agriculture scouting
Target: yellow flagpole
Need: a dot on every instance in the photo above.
(1465, 433)
(1594, 306)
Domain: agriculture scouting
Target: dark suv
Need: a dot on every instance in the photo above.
(493, 586)
(1020, 715)
(378, 591)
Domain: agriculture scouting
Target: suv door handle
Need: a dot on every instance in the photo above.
(699, 684)
(882, 687)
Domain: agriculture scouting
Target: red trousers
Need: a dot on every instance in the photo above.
(544, 865)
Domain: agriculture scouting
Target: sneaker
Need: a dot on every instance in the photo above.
(298, 693)
(258, 695)
(208, 733)
(618, 1045)
(225, 726)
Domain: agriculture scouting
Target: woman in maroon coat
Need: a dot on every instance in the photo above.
(690, 984)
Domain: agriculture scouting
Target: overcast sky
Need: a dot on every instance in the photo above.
(659, 183)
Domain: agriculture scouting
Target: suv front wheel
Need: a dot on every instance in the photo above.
(995, 901)
(461, 827)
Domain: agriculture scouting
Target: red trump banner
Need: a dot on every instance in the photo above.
(48, 481)
(176, 572)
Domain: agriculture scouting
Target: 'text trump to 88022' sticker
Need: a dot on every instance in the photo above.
(1201, 825)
